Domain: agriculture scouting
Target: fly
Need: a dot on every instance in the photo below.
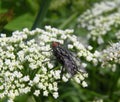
(65, 57)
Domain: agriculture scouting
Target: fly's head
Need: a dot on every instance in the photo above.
(55, 44)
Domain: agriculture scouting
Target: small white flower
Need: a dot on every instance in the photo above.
(10, 100)
(50, 86)
(50, 65)
(96, 54)
(63, 36)
(70, 46)
(40, 85)
(45, 93)
(1, 87)
(26, 78)
(79, 54)
(100, 40)
(84, 65)
(26, 30)
(68, 75)
(65, 79)
(44, 69)
(55, 88)
(90, 47)
(84, 84)
(7, 61)
(81, 77)
(57, 74)
(77, 79)
(36, 79)
(55, 95)
(32, 66)
(89, 58)
(11, 94)
(37, 92)
(17, 74)
(45, 84)
(25, 90)
(3, 35)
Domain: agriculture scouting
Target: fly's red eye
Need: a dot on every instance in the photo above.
(55, 44)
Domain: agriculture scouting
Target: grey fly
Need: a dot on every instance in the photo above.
(65, 58)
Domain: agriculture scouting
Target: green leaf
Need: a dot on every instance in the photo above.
(24, 21)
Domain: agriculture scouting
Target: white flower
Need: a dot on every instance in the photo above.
(17, 74)
(1, 87)
(11, 94)
(84, 84)
(81, 77)
(63, 36)
(97, 54)
(55, 95)
(26, 78)
(3, 35)
(64, 78)
(90, 47)
(84, 65)
(89, 58)
(57, 74)
(50, 65)
(98, 23)
(45, 93)
(111, 53)
(7, 61)
(10, 100)
(33, 66)
(100, 40)
(55, 88)
(36, 79)
(40, 85)
(70, 46)
(25, 90)
(37, 92)
(77, 79)
(50, 86)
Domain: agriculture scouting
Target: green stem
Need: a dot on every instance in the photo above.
(114, 83)
(41, 14)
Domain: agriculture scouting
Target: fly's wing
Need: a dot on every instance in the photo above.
(69, 61)
(70, 66)
(78, 63)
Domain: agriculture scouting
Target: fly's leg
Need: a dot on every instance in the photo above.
(62, 70)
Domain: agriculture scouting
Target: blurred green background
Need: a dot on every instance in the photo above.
(18, 14)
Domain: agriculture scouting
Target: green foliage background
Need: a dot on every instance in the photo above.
(19, 14)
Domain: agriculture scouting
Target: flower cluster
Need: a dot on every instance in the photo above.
(100, 20)
(112, 54)
(26, 66)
